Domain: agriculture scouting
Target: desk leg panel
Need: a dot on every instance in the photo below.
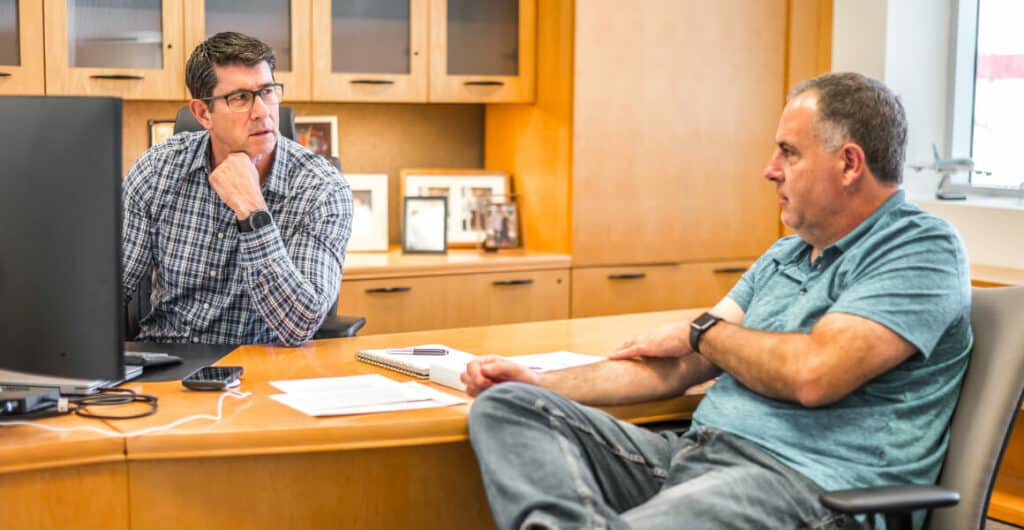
(85, 497)
(426, 487)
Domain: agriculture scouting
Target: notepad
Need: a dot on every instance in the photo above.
(409, 363)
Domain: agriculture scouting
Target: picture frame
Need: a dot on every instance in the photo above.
(159, 130)
(467, 190)
(369, 212)
(501, 224)
(424, 226)
(319, 134)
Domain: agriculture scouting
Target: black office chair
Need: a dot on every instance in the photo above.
(333, 326)
(990, 399)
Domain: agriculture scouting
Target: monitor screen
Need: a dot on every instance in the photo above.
(61, 306)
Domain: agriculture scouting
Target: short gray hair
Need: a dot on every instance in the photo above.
(857, 108)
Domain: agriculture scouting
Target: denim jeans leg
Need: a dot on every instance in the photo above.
(721, 481)
(548, 462)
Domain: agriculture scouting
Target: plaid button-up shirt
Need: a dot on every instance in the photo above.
(214, 284)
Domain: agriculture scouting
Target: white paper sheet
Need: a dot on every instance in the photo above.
(362, 394)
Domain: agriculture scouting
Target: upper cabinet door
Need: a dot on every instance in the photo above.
(283, 24)
(482, 50)
(21, 48)
(370, 50)
(127, 48)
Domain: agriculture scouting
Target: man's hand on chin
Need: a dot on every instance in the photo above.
(237, 183)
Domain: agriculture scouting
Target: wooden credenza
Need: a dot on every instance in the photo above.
(398, 292)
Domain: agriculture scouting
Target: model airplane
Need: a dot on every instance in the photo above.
(946, 168)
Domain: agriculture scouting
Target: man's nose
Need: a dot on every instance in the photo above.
(259, 108)
(773, 171)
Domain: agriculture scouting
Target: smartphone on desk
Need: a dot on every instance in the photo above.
(214, 378)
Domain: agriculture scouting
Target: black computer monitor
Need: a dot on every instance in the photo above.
(61, 306)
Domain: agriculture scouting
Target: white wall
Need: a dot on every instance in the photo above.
(909, 45)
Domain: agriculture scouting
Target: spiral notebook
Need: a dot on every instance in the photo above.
(409, 362)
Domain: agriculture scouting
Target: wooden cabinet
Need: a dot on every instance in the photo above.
(119, 48)
(598, 291)
(475, 51)
(282, 24)
(482, 51)
(397, 292)
(21, 48)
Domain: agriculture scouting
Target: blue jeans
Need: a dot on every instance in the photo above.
(550, 463)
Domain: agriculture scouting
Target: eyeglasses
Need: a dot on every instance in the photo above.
(241, 100)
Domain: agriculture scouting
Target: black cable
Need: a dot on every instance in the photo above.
(114, 396)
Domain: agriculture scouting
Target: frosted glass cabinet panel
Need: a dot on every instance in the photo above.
(283, 24)
(370, 50)
(482, 50)
(126, 48)
(21, 48)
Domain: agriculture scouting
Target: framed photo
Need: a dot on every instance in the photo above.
(468, 192)
(318, 134)
(423, 227)
(501, 224)
(160, 130)
(369, 211)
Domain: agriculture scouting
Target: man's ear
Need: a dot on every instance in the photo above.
(853, 162)
(202, 113)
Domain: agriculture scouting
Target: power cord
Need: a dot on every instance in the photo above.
(114, 396)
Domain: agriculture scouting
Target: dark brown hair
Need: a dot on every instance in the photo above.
(223, 49)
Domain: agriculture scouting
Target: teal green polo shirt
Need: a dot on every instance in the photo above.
(906, 270)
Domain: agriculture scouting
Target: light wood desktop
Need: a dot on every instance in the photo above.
(266, 466)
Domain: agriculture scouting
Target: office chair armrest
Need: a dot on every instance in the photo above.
(886, 499)
(335, 326)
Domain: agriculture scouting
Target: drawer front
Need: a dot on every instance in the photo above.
(617, 290)
(704, 284)
(395, 304)
(502, 298)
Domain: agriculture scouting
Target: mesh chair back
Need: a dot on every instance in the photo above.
(989, 401)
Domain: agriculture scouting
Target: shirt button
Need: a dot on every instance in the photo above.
(803, 292)
(206, 306)
(213, 273)
(195, 339)
(220, 235)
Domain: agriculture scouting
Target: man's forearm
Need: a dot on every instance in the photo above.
(630, 381)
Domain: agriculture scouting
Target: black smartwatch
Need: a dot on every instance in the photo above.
(255, 221)
(700, 325)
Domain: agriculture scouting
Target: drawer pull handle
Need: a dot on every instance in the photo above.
(521, 281)
(118, 77)
(372, 82)
(5, 74)
(628, 276)
(484, 83)
(389, 290)
(729, 270)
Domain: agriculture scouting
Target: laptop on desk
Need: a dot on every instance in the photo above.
(66, 386)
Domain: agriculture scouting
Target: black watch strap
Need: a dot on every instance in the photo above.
(699, 326)
(255, 221)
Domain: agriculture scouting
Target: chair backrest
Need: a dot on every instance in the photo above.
(185, 121)
(989, 401)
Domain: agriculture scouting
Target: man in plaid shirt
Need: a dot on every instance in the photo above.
(245, 230)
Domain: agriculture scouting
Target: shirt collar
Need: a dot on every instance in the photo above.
(276, 181)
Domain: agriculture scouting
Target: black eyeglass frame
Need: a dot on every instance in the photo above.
(278, 87)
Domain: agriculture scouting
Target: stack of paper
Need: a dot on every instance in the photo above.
(359, 394)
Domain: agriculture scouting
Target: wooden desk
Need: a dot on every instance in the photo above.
(266, 466)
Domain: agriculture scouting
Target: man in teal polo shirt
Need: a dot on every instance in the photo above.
(839, 357)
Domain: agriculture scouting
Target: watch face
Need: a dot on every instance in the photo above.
(259, 219)
(704, 321)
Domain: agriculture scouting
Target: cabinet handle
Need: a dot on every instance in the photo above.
(484, 83)
(372, 82)
(5, 74)
(628, 276)
(389, 290)
(521, 281)
(118, 77)
(728, 270)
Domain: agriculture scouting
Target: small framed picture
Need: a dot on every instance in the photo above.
(369, 212)
(501, 224)
(318, 134)
(468, 192)
(160, 130)
(424, 229)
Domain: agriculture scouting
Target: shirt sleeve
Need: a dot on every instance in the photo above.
(136, 247)
(293, 287)
(916, 285)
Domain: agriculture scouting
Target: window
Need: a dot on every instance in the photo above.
(988, 120)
